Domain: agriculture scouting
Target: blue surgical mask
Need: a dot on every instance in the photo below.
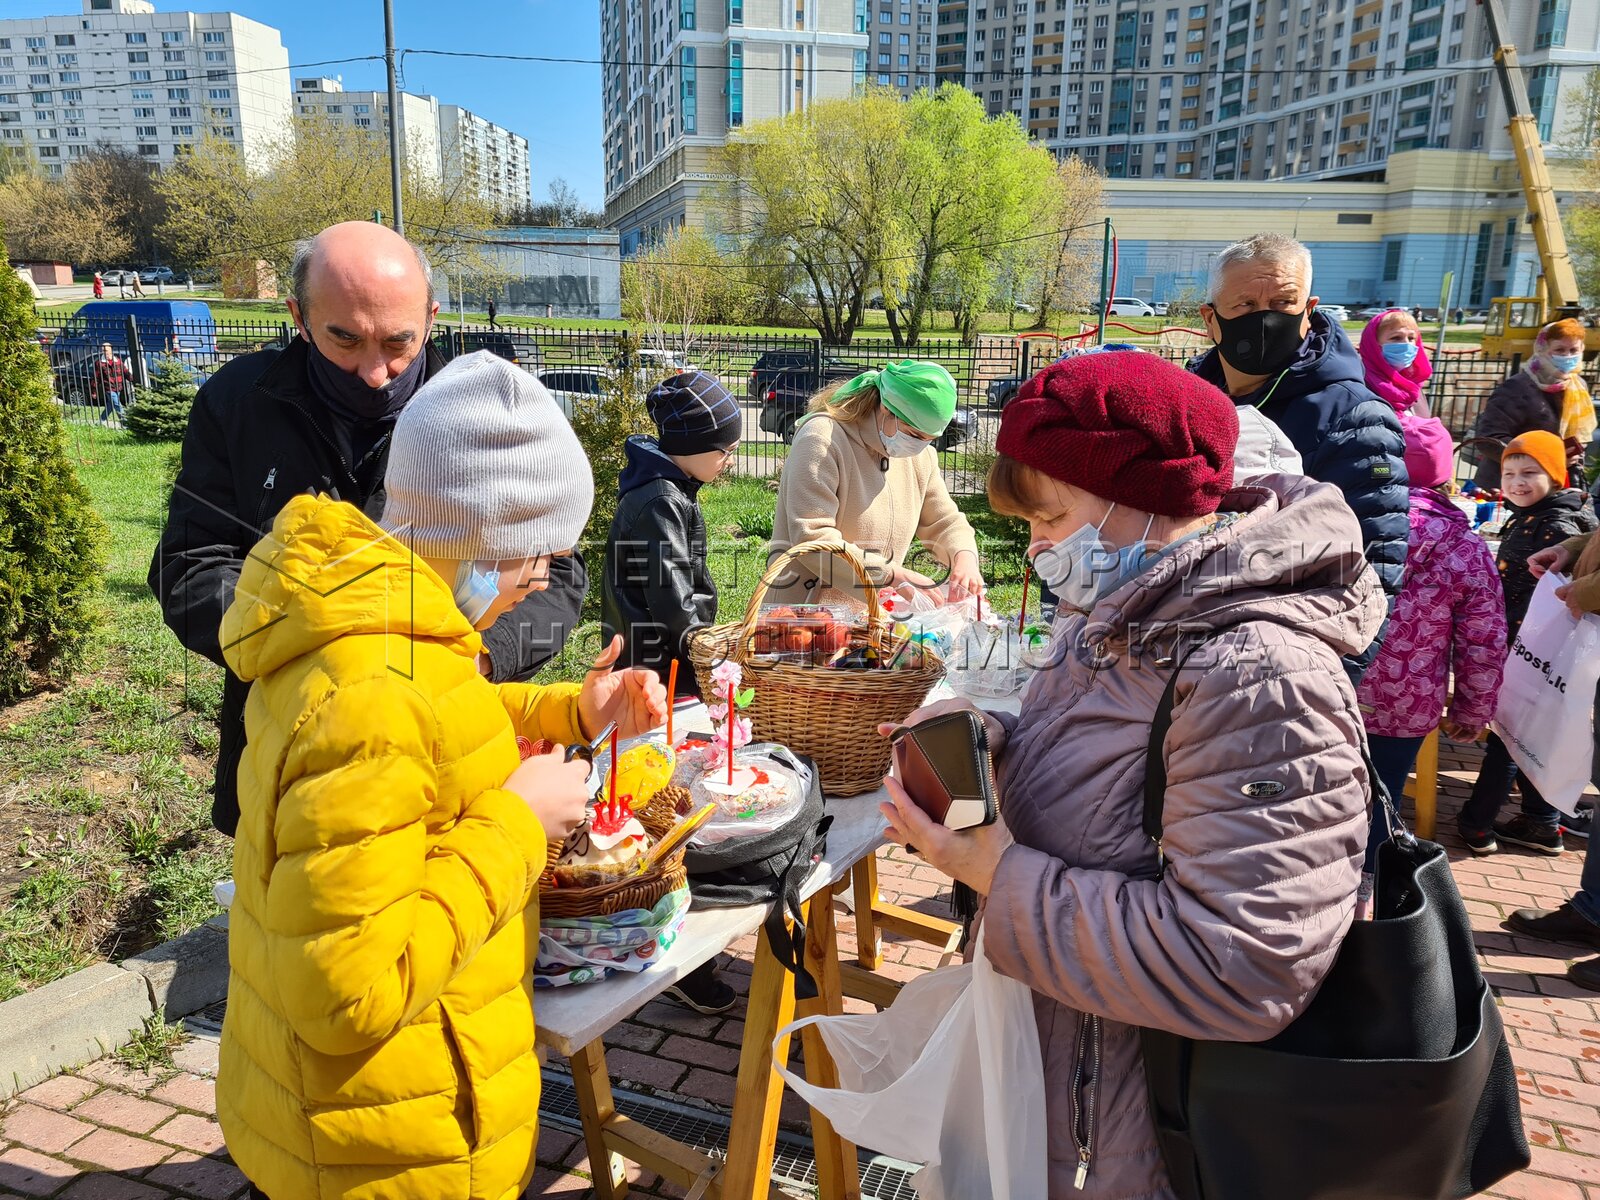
(477, 587)
(1082, 569)
(1399, 355)
(1566, 363)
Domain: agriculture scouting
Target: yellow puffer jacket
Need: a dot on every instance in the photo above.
(379, 1037)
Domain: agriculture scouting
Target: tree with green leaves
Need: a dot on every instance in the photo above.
(51, 541)
(160, 412)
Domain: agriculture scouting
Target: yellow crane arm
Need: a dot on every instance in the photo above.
(1560, 278)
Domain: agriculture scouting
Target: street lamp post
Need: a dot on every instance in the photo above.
(394, 117)
(1297, 212)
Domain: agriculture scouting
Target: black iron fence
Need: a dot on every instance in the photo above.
(772, 375)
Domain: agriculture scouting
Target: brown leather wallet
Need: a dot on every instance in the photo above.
(945, 766)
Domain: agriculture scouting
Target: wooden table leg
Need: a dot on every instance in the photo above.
(597, 1108)
(869, 942)
(753, 1136)
(837, 1175)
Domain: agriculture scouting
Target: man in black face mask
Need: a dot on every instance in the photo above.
(1276, 353)
(316, 416)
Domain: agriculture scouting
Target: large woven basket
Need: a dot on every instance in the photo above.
(637, 891)
(830, 715)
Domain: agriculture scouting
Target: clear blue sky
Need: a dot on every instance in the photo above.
(556, 107)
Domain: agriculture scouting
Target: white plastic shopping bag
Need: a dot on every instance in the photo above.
(949, 1075)
(1546, 711)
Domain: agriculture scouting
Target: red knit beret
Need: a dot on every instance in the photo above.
(1128, 426)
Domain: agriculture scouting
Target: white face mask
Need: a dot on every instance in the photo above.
(902, 444)
(1081, 569)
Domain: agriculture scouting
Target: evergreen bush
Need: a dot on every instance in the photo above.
(51, 542)
(160, 412)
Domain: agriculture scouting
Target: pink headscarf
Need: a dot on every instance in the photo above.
(1402, 389)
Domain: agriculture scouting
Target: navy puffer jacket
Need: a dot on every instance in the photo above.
(1347, 436)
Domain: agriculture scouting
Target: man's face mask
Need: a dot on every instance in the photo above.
(1262, 342)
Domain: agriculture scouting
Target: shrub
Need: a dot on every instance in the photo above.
(51, 541)
(160, 412)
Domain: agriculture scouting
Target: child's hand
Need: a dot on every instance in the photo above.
(1552, 558)
(1458, 732)
(635, 699)
(557, 792)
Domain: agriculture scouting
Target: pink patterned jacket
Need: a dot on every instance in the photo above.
(1450, 615)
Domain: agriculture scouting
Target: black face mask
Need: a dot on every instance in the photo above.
(1263, 342)
(350, 397)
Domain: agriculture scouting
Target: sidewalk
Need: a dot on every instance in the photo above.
(103, 1133)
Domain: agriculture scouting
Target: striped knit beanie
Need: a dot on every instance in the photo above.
(694, 413)
(483, 466)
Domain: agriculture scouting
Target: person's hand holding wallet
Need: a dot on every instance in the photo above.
(945, 805)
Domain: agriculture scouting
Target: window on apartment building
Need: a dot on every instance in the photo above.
(686, 14)
(175, 75)
(138, 56)
(214, 37)
(176, 56)
(172, 37)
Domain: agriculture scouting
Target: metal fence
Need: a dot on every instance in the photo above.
(770, 374)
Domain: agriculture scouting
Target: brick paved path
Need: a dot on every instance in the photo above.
(103, 1133)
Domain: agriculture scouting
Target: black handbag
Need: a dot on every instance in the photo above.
(1395, 1083)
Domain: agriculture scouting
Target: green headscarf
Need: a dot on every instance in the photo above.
(922, 394)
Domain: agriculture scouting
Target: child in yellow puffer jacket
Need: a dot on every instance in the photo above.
(379, 1037)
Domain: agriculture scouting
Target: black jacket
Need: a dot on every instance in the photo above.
(657, 586)
(1347, 436)
(1553, 520)
(257, 436)
(1517, 406)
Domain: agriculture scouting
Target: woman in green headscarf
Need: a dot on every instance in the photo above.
(863, 469)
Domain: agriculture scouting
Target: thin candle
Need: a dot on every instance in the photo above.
(731, 719)
(612, 790)
(1022, 617)
(672, 696)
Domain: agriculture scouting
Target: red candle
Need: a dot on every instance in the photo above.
(1022, 617)
(731, 719)
(672, 696)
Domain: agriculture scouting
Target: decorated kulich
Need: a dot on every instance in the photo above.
(756, 788)
(611, 844)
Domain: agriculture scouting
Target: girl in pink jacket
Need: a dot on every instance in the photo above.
(1449, 616)
(1396, 361)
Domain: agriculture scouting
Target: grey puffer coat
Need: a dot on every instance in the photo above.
(1259, 889)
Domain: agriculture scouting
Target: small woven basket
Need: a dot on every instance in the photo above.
(829, 714)
(634, 891)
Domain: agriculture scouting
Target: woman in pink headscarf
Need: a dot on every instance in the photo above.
(1396, 363)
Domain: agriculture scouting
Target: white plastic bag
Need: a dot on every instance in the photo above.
(1545, 714)
(949, 1075)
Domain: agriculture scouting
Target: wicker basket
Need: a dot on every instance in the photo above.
(636, 891)
(830, 715)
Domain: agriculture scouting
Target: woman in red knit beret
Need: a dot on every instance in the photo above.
(1122, 466)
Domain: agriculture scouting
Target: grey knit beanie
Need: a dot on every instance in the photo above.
(484, 466)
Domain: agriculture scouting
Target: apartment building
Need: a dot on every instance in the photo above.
(680, 75)
(1260, 89)
(155, 82)
(491, 159)
(419, 118)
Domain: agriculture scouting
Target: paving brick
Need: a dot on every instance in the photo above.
(111, 1187)
(43, 1128)
(110, 1071)
(206, 1176)
(628, 1067)
(696, 1052)
(197, 1056)
(62, 1092)
(194, 1092)
(557, 1183)
(1528, 1186)
(631, 1036)
(708, 1085)
(554, 1145)
(118, 1151)
(1578, 1168)
(121, 1111)
(664, 1014)
(1550, 1066)
(637, 1176)
(33, 1174)
(200, 1134)
(731, 1033)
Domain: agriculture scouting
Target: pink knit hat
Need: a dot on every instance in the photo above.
(1430, 455)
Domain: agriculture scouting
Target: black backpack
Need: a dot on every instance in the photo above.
(769, 868)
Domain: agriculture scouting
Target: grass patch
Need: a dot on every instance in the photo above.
(151, 1048)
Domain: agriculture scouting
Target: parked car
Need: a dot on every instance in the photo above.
(572, 386)
(117, 276)
(1021, 306)
(803, 363)
(1129, 306)
(1002, 392)
(183, 326)
(511, 345)
(1366, 314)
(790, 394)
(1161, 307)
(157, 275)
(1335, 312)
